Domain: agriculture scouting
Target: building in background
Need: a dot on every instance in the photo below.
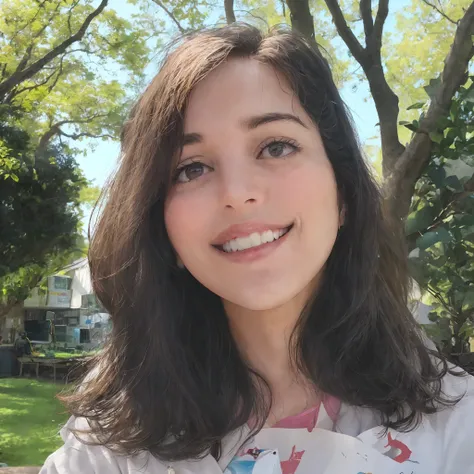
(66, 314)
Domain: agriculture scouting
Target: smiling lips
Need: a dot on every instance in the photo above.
(242, 237)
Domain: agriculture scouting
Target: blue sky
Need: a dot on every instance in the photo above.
(99, 163)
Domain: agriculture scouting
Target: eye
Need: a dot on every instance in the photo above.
(279, 149)
(190, 172)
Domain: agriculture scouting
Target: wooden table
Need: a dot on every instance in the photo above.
(58, 363)
(27, 360)
(49, 362)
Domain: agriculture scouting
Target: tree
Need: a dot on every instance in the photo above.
(59, 61)
(440, 227)
(39, 216)
(38, 209)
(63, 70)
(404, 165)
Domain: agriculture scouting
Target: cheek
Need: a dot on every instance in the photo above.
(310, 193)
(182, 221)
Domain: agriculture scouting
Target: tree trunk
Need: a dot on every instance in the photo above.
(403, 167)
(229, 11)
(4, 310)
(301, 18)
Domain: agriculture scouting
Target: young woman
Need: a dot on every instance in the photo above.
(258, 297)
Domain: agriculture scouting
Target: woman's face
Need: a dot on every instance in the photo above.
(253, 213)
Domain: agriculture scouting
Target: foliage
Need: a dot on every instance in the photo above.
(440, 227)
(30, 418)
(38, 209)
(39, 215)
(89, 196)
(79, 92)
(409, 68)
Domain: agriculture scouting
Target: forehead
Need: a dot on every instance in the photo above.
(239, 88)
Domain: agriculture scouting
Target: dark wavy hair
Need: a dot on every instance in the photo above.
(171, 379)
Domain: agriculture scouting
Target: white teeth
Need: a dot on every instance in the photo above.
(268, 236)
(253, 240)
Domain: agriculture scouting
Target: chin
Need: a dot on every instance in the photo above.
(256, 300)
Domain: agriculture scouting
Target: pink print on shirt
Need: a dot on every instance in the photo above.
(290, 466)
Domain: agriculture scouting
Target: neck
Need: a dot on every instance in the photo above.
(264, 338)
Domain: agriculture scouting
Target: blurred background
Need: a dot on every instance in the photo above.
(70, 71)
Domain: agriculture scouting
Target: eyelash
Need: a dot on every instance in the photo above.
(281, 140)
(285, 141)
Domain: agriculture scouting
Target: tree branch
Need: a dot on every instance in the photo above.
(301, 19)
(440, 11)
(58, 71)
(58, 75)
(56, 130)
(27, 56)
(345, 32)
(24, 60)
(229, 11)
(76, 136)
(16, 92)
(401, 181)
(382, 14)
(29, 72)
(40, 6)
(253, 15)
(438, 296)
(170, 14)
(365, 8)
(386, 102)
(73, 5)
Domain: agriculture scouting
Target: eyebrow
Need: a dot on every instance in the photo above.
(250, 123)
(254, 122)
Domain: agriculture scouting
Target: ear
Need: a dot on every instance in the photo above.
(342, 216)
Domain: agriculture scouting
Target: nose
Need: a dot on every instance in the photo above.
(240, 187)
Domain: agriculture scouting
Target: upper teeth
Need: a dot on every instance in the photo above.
(253, 240)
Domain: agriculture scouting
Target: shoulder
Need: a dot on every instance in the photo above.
(455, 425)
(76, 457)
(442, 440)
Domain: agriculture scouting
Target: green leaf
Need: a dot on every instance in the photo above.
(453, 183)
(418, 105)
(443, 123)
(418, 271)
(468, 301)
(433, 237)
(436, 136)
(469, 97)
(437, 175)
(420, 220)
(467, 231)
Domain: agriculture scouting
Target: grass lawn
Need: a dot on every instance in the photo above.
(30, 418)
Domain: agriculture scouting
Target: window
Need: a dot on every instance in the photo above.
(85, 336)
(62, 283)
